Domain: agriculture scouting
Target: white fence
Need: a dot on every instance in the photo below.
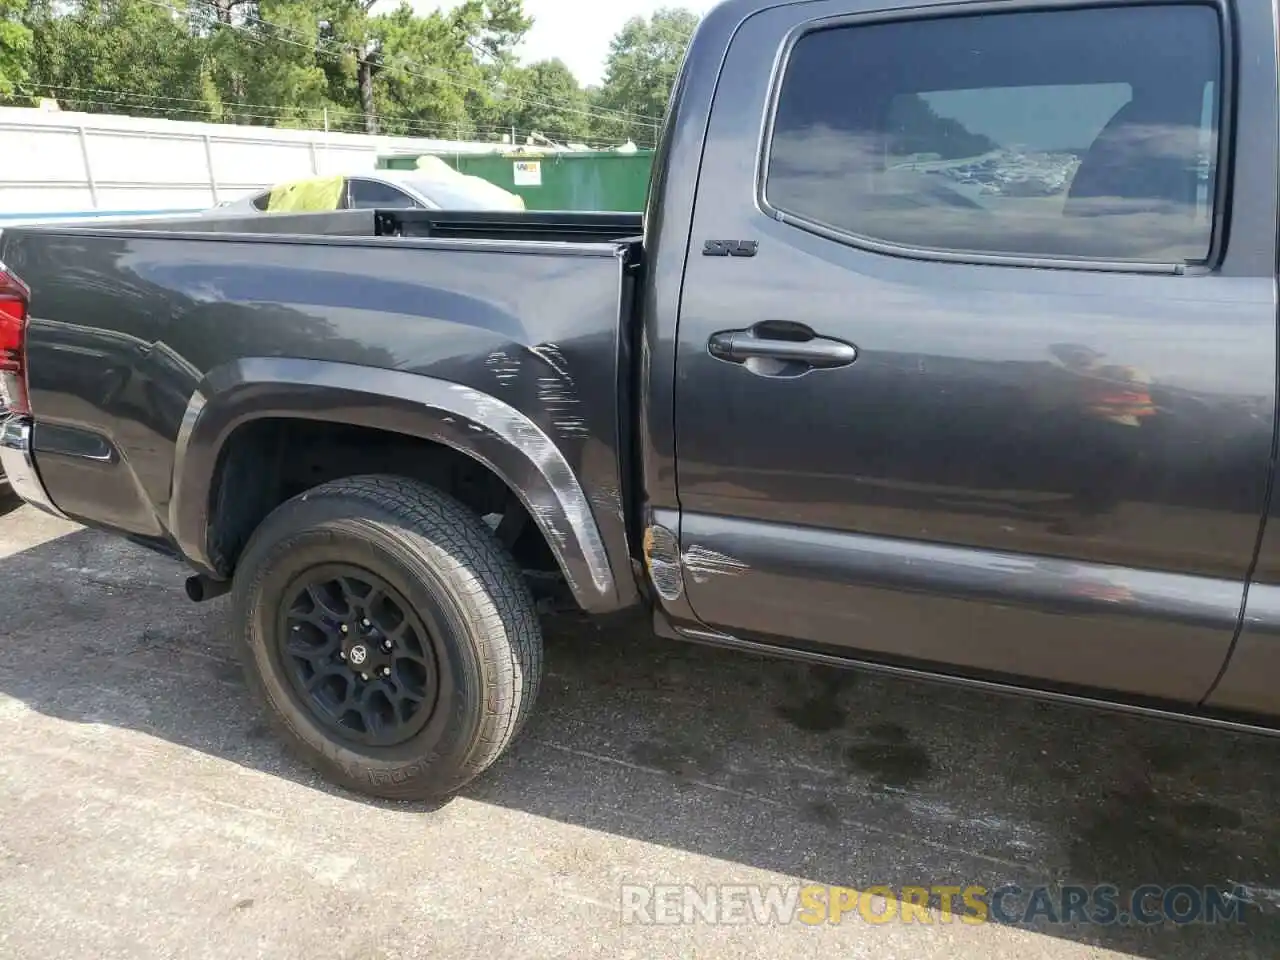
(60, 165)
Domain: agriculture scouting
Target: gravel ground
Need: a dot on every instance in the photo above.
(148, 812)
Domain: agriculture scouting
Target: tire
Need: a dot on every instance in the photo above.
(475, 623)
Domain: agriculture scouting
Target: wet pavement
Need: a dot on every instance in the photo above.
(148, 811)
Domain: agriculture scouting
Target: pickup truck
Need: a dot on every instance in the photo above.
(946, 347)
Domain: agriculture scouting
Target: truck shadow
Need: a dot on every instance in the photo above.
(832, 776)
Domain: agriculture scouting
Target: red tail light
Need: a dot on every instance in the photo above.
(14, 297)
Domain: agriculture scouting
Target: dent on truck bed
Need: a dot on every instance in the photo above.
(557, 390)
(475, 423)
(525, 375)
(570, 507)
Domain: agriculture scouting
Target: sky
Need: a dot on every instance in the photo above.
(579, 31)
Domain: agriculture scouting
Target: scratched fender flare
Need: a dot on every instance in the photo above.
(387, 634)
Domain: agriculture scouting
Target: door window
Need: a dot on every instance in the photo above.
(1085, 133)
(369, 194)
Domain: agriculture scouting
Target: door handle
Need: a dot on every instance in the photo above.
(799, 346)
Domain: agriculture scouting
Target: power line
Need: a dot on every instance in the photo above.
(442, 77)
(161, 109)
(178, 105)
(236, 106)
(147, 96)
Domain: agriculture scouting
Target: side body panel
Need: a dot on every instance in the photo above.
(1250, 681)
(950, 499)
(667, 223)
(135, 334)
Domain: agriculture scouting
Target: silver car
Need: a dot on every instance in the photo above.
(398, 189)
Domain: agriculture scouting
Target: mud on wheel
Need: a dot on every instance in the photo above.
(390, 638)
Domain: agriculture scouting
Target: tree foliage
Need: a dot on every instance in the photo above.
(15, 46)
(304, 63)
(103, 54)
(643, 60)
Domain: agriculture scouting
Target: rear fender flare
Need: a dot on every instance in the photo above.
(475, 424)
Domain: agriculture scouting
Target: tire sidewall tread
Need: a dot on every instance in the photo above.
(438, 553)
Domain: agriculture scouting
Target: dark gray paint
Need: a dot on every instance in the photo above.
(863, 513)
(958, 430)
(399, 319)
(476, 424)
(1249, 682)
(977, 611)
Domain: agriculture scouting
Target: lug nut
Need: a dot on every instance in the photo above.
(342, 654)
(386, 644)
(386, 671)
(364, 676)
(366, 624)
(344, 628)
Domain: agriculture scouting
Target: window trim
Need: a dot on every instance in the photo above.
(1227, 106)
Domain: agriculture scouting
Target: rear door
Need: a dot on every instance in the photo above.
(985, 386)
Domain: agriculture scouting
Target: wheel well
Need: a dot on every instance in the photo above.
(266, 462)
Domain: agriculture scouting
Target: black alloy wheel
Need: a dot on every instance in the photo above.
(358, 656)
(388, 634)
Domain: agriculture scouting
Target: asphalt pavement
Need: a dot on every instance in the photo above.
(148, 812)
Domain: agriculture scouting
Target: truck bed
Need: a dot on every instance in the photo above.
(135, 324)
(504, 225)
(533, 226)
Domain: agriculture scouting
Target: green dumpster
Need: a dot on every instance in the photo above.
(588, 180)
